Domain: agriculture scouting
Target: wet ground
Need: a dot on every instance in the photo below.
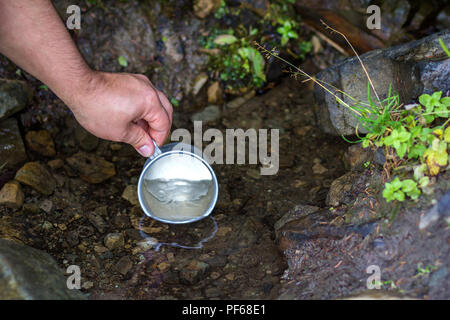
(241, 261)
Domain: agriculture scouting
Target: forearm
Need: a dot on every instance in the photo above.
(33, 36)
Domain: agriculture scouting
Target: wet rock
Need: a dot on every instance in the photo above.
(98, 222)
(12, 149)
(318, 168)
(41, 142)
(46, 206)
(411, 68)
(114, 241)
(85, 139)
(31, 274)
(124, 265)
(130, 194)
(298, 212)
(11, 195)
(203, 8)
(209, 114)
(193, 272)
(199, 82)
(215, 93)
(55, 164)
(85, 231)
(356, 156)
(36, 175)
(72, 238)
(14, 96)
(91, 168)
(146, 244)
(239, 101)
(439, 210)
(377, 295)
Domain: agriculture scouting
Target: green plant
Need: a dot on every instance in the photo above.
(444, 47)
(286, 30)
(174, 102)
(423, 271)
(122, 61)
(409, 135)
(397, 189)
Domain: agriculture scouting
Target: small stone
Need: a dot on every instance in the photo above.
(87, 285)
(239, 101)
(46, 205)
(114, 241)
(163, 266)
(11, 195)
(41, 142)
(215, 93)
(130, 194)
(55, 164)
(203, 8)
(124, 265)
(115, 146)
(215, 275)
(199, 82)
(319, 169)
(229, 276)
(223, 231)
(14, 96)
(62, 227)
(12, 151)
(194, 272)
(100, 249)
(36, 175)
(209, 114)
(98, 222)
(72, 238)
(91, 168)
(146, 244)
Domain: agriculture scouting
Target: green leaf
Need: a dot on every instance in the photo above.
(425, 99)
(416, 151)
(447, 135)
(444, 47)
(122, 61)
(225, 39)
(256, 58)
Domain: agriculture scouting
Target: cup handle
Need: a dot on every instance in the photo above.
(157, 151)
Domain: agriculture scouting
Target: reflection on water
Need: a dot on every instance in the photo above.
(178, 199)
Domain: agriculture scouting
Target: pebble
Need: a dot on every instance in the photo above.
(11, 195)
(319, 169)
(41, 142)
(214, 93)
(114, 241)
(36, 175)
(130, 194)
(55, 164)
(46, 205)
(91, 168)
(124, 265)
(209, 114)
(163, 266)
(98, 222)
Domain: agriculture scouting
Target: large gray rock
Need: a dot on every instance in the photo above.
(31, 274)
(12, 149)
(14, 96)
(412, 69)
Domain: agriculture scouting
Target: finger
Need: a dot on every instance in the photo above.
(166, 104)
(139, 139)
(159, 123)
(143, 124)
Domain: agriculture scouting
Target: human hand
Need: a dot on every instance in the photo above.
(123, 107)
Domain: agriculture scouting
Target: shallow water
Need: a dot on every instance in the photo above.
(178, 199)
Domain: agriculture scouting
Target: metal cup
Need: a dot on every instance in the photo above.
(176, 185)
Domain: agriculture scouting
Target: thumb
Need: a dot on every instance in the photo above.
(140, 140)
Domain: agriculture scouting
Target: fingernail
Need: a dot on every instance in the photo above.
(145, 151)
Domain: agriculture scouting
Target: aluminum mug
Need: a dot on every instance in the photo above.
(177, 185)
